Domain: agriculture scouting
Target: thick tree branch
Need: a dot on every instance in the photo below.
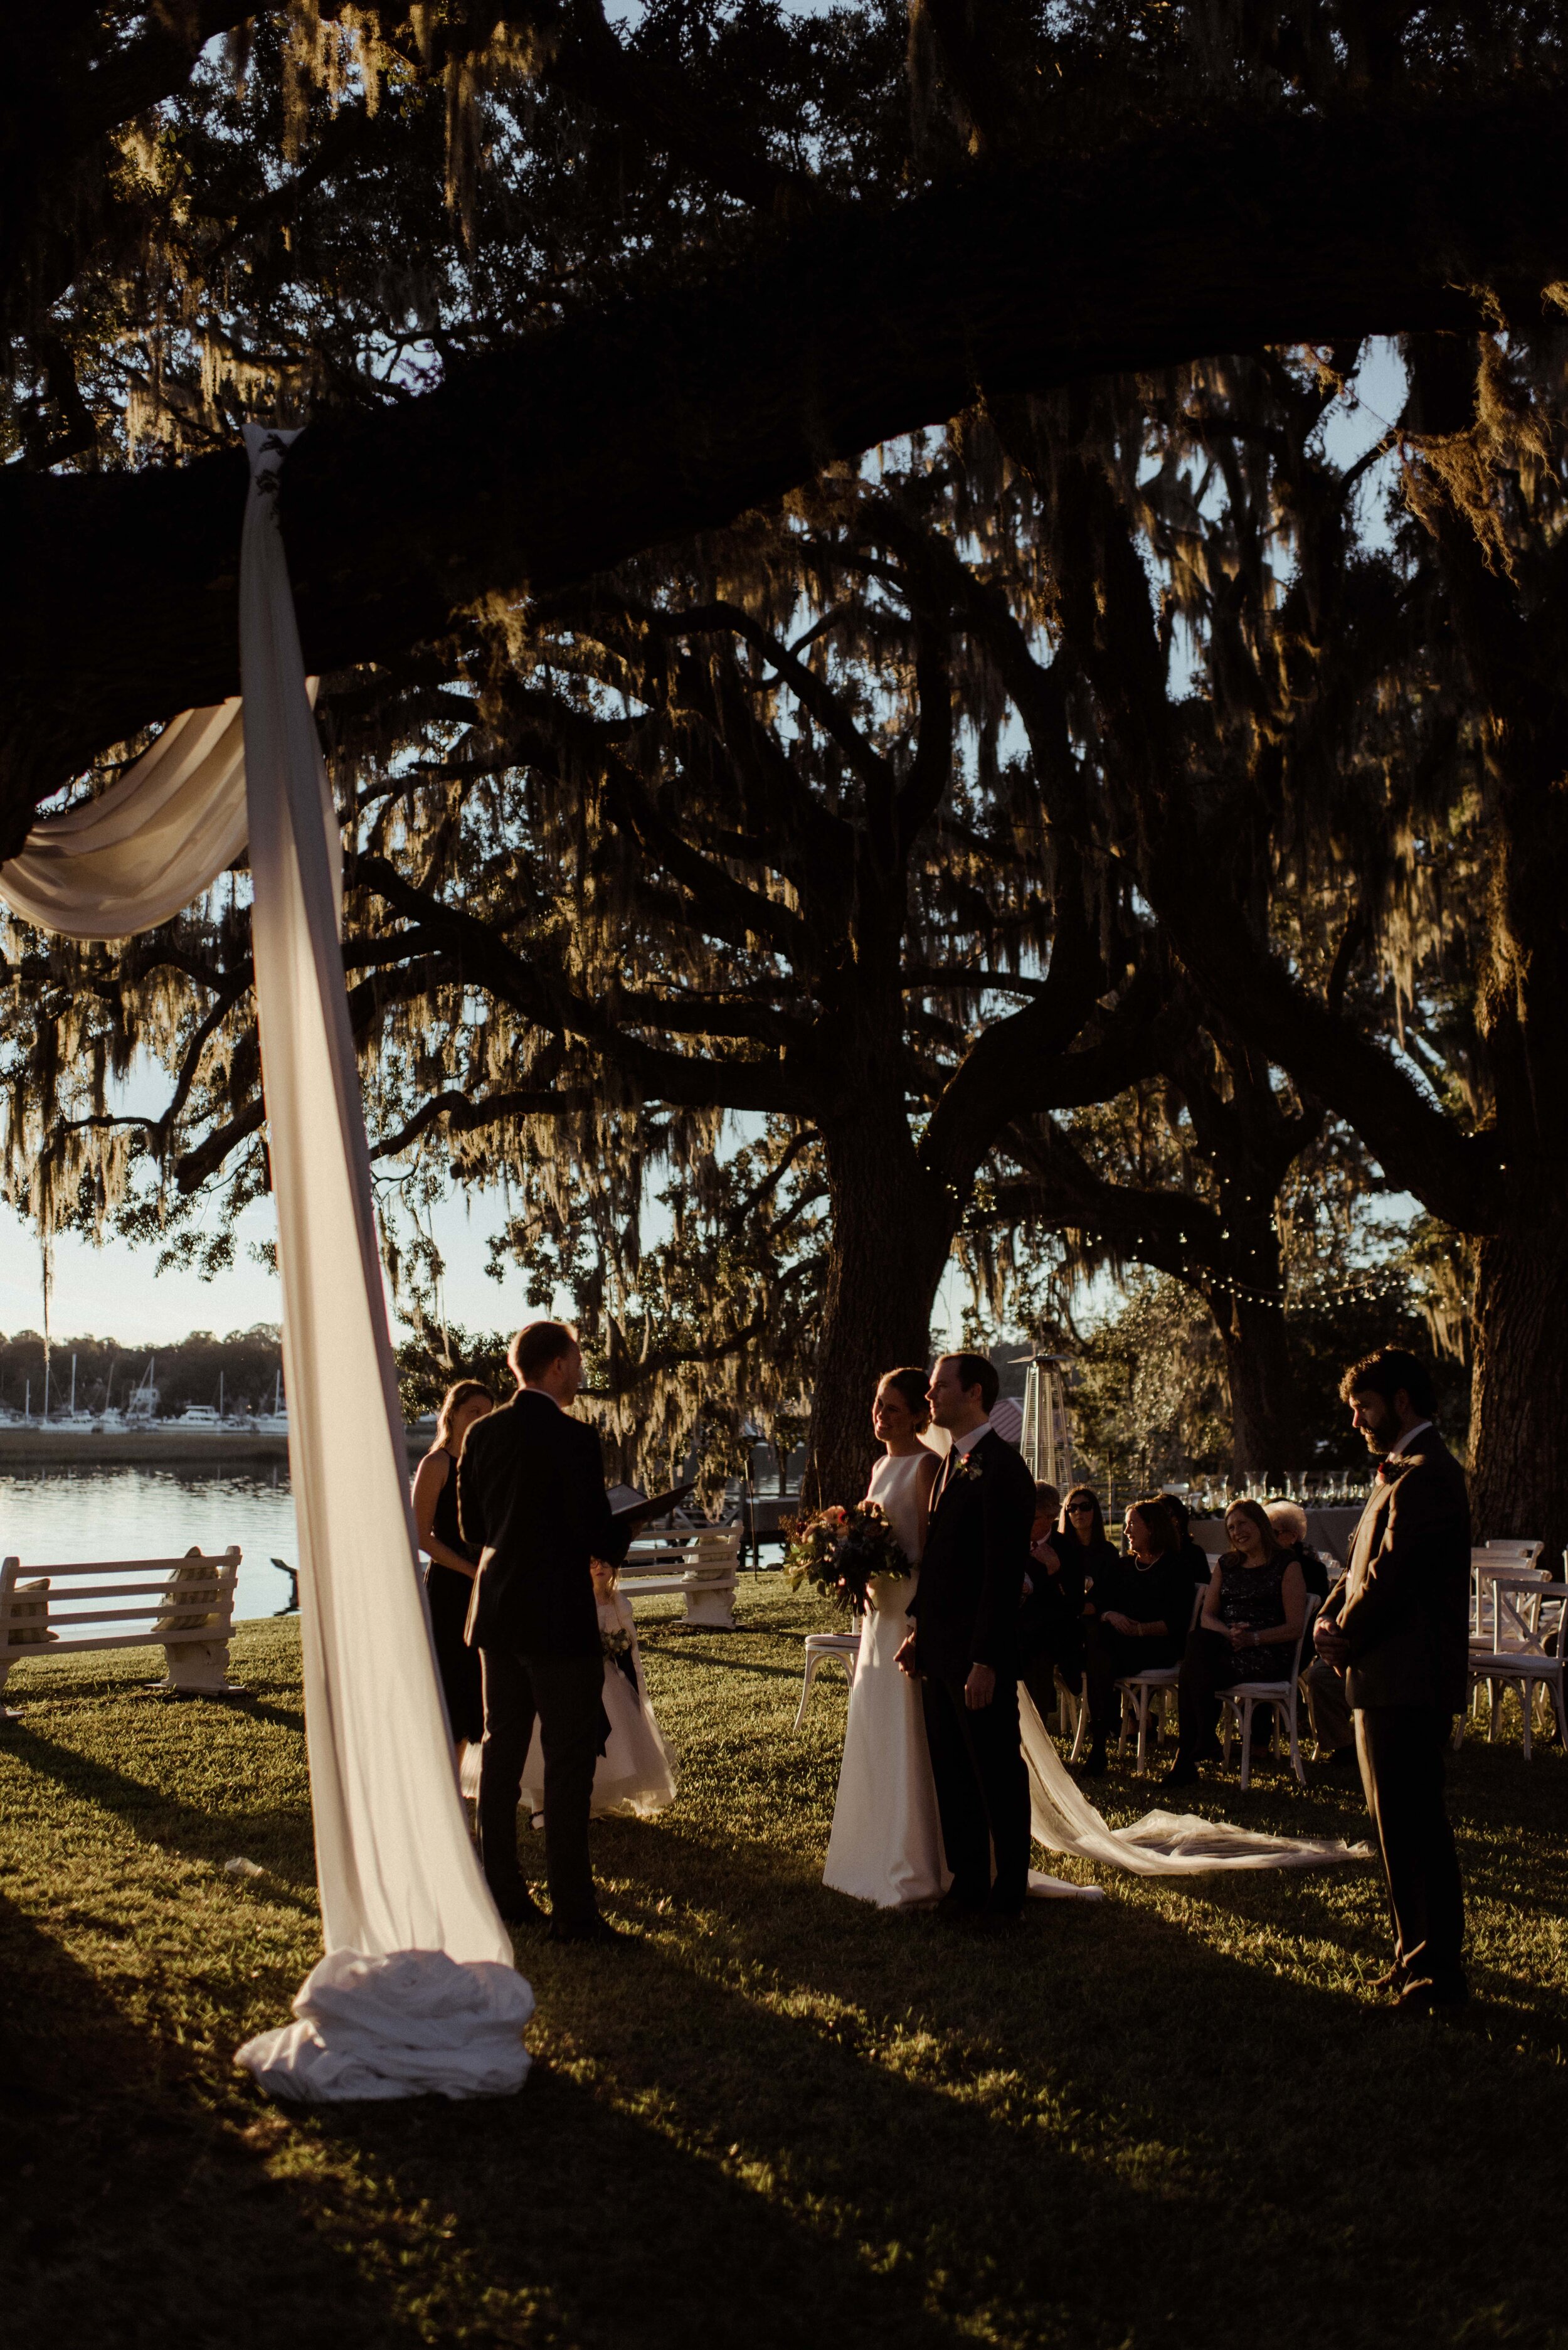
(698, 1081)
(677, 409)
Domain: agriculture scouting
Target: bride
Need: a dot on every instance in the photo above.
(885, 1844)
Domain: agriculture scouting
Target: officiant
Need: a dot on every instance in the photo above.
(532, 1502)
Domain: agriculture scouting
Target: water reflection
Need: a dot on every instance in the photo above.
(80, 1512)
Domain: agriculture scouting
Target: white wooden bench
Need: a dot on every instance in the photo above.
(701, 1566)
(187, 1609)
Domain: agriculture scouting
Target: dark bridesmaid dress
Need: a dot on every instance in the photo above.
(449, 1593)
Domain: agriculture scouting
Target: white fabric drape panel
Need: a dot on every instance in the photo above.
(418, 1989)
(129, 861)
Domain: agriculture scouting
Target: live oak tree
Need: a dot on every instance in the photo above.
(732, 838)
(553, 293)
(1411, 711)
(545, 311)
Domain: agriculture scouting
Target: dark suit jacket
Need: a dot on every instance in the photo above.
(1403, 1602)
(1050, 1620)
(972, 1576)
(531, 1501)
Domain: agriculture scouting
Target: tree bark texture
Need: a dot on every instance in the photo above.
(1265, 1421)
(675, 411)
(892, 1230)
(1519, 1397)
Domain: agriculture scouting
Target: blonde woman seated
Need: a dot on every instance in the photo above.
(1251, 1620)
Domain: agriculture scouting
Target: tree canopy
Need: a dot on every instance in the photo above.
(553, 292)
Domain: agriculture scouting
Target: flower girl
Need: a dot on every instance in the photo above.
(635, 1773)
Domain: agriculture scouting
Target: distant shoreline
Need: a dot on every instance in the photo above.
(165, 1442)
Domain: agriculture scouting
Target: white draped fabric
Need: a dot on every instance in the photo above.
(1162, 1844)
(418, 1990)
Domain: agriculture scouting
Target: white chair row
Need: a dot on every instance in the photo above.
(187, 1609)
(1519, 1618)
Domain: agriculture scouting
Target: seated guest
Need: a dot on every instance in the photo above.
(1049, 1632)
(1289, 1522)
(1332, 1727)
(1193, 1553)
(1142, 1605)
(1082, 1542)
(1251, 1619)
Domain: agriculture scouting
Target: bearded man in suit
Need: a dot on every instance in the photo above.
(964, 1645)
(1398, 1627)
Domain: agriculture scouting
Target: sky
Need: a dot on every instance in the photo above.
(118, 1291)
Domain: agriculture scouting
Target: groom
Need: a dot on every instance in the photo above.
(964, 1644)
(531, 1500)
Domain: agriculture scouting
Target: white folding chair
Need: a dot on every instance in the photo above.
(819, 1648)
(1140, 1692)
(1073, 1714)
(1528, 1620)
(1522, 1558)
(1283, 1696)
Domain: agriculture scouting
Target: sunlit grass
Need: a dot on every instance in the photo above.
(1170, 2117)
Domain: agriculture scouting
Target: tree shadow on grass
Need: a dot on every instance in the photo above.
(1233, 2086)
(131, 2216)
(278, 1838)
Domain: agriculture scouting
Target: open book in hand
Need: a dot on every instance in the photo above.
(656, 1505)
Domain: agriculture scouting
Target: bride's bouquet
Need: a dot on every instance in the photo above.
(840, 1552)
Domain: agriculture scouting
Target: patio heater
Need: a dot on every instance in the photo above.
(1048, 1440)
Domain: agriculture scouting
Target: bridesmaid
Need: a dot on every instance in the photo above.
(885, 1844)
(449, 1577)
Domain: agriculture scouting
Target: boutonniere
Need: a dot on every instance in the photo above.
(970, 1467)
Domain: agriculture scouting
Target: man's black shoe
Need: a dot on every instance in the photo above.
(520, 1909)
(592, 1929)
(962, 1907)
(1421, 1996)
(1180, 1775)
(1093, 1765)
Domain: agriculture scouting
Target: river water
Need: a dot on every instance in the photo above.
(79, 1512)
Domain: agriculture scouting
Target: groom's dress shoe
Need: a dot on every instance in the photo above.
(592, 1929)
(1421, 1996)
(960, 1905)
(1180, 1775)
(520, 1909)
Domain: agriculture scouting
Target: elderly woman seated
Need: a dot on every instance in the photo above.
(1251, 1619)
(1139, 1608)
(1289, 1520)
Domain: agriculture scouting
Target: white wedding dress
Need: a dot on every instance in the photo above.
(887, 1843)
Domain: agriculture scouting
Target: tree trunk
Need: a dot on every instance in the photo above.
(892, 1230)
(1518, 1391)
(1265, 1421)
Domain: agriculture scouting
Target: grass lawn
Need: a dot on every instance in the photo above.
(1169, 2117)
